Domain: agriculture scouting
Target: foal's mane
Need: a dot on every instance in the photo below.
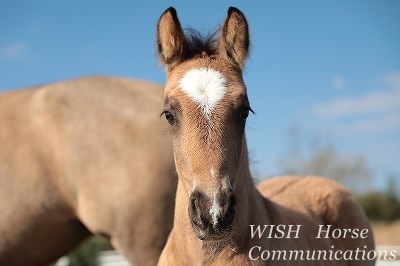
(198, 45)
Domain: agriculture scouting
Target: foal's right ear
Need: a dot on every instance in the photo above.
(170, 38)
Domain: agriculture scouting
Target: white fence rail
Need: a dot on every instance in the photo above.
(104, 258)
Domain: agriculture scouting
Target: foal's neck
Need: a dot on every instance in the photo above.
(250, 204)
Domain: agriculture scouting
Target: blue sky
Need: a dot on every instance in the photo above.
(329, 68)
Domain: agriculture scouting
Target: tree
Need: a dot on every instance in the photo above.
(382, 205)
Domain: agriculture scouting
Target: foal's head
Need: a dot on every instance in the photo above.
(206, 106)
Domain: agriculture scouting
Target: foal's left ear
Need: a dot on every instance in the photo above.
(234, 41)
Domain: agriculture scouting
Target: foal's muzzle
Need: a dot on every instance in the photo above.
(212, 217)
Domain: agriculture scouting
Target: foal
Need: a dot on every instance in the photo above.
(206, 106)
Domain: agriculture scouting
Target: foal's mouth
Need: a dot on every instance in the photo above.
(206, 236)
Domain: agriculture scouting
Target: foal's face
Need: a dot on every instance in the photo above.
(206, 105)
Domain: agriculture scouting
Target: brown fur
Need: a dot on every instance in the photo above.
(218, 143)
(79, 157)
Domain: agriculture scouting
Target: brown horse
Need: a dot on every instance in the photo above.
(80, 157)
(220, 217)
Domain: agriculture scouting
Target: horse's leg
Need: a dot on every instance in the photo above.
(143, 231)
(137, 216)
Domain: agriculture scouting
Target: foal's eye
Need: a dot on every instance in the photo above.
(170, 118)
(245, 113)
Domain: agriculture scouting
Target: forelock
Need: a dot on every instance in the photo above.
(198, 45)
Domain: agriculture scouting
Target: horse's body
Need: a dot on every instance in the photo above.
(80, 157)
(206, 106)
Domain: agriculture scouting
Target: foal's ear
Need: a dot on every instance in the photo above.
(170, 38)
(234, 41)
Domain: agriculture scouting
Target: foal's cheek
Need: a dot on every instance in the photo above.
(178, 159)
(181, 163)
(237, 140)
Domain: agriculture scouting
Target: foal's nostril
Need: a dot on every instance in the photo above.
(194, 208)
(232, 203)
(197, 203)
(228, 204)
(194, 205)
(231, 210)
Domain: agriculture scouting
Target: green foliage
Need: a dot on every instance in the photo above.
(382, 206)
(85, 254)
